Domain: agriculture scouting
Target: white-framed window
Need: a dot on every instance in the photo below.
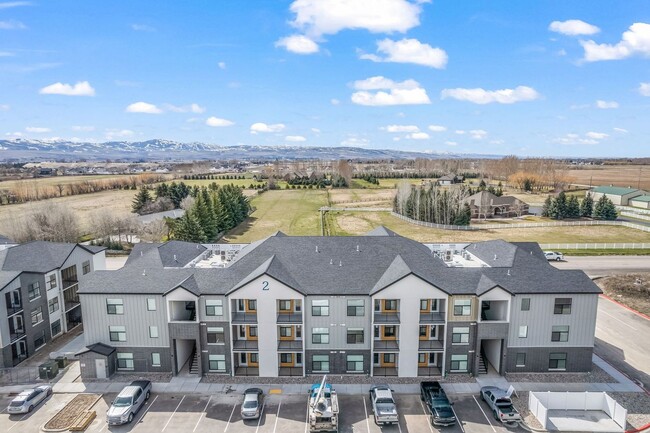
(39, 340)
(56, 327)
(460, 335)
(85, 267)
(214, 307)
(320, 335)
(320, 363)
(354, 363)
(458, 363)
(155, 359)
(560, 333)
(114, 306)
(216, 335)
(117, 333)
(125, 361)
(34, 291)
(151, 304)
(217, 363)
(53, 305)
(356, 307)
(320, 307)
(37, 316)
(523, 331)
(286, 331)
(462, 307)
(525, 304)
(355, 336)
(284, 305)
(153, 332)
(52, 282)
(521, 360)
(286, 358)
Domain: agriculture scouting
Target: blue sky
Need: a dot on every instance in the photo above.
(543, 78)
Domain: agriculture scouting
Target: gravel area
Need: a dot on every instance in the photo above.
(521, 404)
(66, 416)
(596, 375)
(637, 405)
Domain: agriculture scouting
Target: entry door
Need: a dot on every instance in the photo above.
(100, 368)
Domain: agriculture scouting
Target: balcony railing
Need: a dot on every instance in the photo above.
(247, 371)
(13, 309)
(16, 335)
(245, 345)
(429, 371)
(71, 304)
(290, 345)
(432, 317)
(384, 371)
(386, 317)
(289, 318)
(383, 345)
(432, 345)
(241, 317)
(290, 371)
(69, 283)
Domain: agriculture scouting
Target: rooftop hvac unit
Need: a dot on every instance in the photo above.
(448, 255)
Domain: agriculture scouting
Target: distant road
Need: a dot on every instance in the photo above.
(600, 266)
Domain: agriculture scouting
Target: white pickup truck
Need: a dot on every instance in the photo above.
(500, 404)
(383, 404)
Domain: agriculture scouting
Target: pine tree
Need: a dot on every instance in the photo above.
(464, 217)
(546, 209)
(605, 209)
(141, 199)
(499, 191)
(573, 207)
(587, 206)
(482, 185)
(561, 206)
(187, 228)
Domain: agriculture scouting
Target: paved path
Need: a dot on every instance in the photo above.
(599, 266)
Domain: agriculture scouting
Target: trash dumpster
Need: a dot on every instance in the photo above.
(62, 361)
(48, 370)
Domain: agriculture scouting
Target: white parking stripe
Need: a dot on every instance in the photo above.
(18, 422)
(205, 409)
(460, 423)
(365, 409)
(486, 417)
(307, 416)
(259, 419)
(145, 412)
(424, 409)
(172, 415)
(230, 417)
(277, 415)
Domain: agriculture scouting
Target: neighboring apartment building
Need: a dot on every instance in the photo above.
(38, 294)
(379, 304)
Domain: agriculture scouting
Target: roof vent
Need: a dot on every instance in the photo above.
(508, 272)
(331, 261)
(141, 253)
(495, 257)
(177, 260)
(316, 248)
(340, 263)
(144, 272)
(358, 249)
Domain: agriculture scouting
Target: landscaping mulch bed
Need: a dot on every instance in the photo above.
(64, 419)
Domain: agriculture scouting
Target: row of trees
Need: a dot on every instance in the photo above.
(561, 207)
(433, 204)
(213, 176)
(370, 178)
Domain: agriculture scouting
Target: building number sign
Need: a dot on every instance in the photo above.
(265, 285)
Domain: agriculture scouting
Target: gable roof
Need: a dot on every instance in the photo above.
(381, 231)
(642, 198)
(171, 254)
(615, 190)
(486, 197)
(40, 256)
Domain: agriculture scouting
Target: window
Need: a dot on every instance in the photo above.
(390, 331)
(286, 331)
(52, 282)
(252, 305)
(523, 331)
(56, 327)
(252, 331)
(389, 358)
(562, 306)
(423, 331)
(53, 305)
(557, 361)
(424, 305)
(525, 304)
(320, 308)
(320, 335)
(37, 316)
(39, 339)
(216, 336)
(254, 358)
(151, 304)
(85, 267)
(114, 306)
(117, 333)
(521, 360)
(422, 358)
(214, 307)
(155, 359)
(34, 291)
(125, 361)
(354, 363)
(298, 358)
(153, 332)
(458, 363)
(462, 307)
(284, 305)
(320, 363)
(460, 335)
(355, 336)
(286, 358)
(560, 333)
(356, 307)
(390, 305)
(217, 363)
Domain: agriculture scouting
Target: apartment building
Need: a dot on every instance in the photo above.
(379, 304)
(38, 294)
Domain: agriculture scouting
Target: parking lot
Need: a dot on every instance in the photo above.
(282, 414)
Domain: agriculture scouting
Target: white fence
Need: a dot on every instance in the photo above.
(640, 216)
(540, 403)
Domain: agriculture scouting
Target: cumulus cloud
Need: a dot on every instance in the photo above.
(482, 96)
(437, 128)
(621, 130)
(604, 105)
(112, 134)
(37, 129)
(216, 122)
(597, 135)
(478, 134)
(400, 128)
(264, 127)
(83, 128)
(143, 107)
(8, 5)
(315, 130)
(12, 25)
(590, 138)
(573, 28)
(635, 41)
(408, 51)
(192, 108)
(81, 88)
(418, 136)
(644, 89)
(298, 44)
(295, 138)
(381, 91)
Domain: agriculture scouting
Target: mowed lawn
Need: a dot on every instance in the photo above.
(294, 212)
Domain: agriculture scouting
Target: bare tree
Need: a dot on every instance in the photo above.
(187, 203)
(153, 231)
(48, 222)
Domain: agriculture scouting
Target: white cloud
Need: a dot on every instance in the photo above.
(418, 136)
(334, 101)
(408, 51)
(355, 142)
(142, 28)
(460, 132)
(400, 128)
(83, 128)
(590, 138)
(315, 130)
(320, 17)
(222, 65)
(7, 5)
(14, 134)
(12, 25)
(192, 108)
(597, 135)
(451, 143)
(143, 107)
(37, 129)
(478, 134)
(561, 52)
(298, 44)
(406, 92)
(634, 41)
(603, 105)
(644, 89)
(482, 96)
(112, 134)
(263, 127)
(81, 88)
(621, 130)
(217, 122)
(295, 138)
(5, 107)
(6, 54)
(573, 28)
(437, 128)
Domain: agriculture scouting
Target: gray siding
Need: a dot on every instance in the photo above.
(4, 322)
(338, 323)
(31, 331)
(77, 257)
(540, 321)
(226, 309)
(462, 349)
(537, 359)
(338, 360)
(215, 349)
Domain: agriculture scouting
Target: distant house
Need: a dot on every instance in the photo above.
(642, 201)
(450, 179)
(484, 204)
(618, 195)
(44, 172)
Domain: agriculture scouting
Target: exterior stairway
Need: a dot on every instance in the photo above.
(482, 364)
(194, 362)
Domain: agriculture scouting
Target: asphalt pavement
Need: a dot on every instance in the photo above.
(600, 266)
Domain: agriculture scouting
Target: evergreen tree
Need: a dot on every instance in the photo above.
(560, 206)
(141, 199)
(605, 209)
(546, 209)
(573, 207)
(187, 228)
(499, 191)
(202, 211)
(464, 217)
(482, 185)
(587, 206)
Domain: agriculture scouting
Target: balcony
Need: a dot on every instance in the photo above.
(13, 309)
(386, 345)
(16, 335)
(290, 371)
(247, 371)
(494, 311)
(182, 311)
(386, 317)
(289, 318)
(429, 371)
(239, 317)
(432, 317)
(245, 345)
(430, 345)
(290, 345)
(384, 371)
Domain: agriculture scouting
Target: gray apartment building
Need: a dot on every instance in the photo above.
(379, 305)
(38, 294)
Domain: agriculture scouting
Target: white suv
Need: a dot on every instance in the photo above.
(553, 255)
